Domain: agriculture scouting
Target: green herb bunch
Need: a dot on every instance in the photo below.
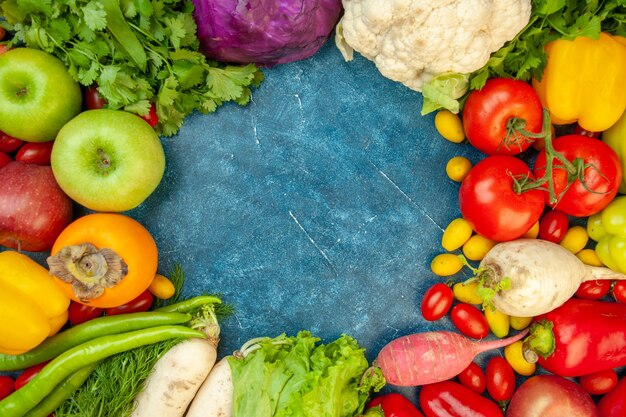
(138, 52)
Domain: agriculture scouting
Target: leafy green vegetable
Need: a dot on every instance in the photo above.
(444, 91)
(294, 376)
(138, 52)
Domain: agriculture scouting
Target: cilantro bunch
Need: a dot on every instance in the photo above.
(524, 56)
(138, 52)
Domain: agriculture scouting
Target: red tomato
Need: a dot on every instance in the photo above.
(28, 374)
(2, 33)
(8, 143)
(92, 98)
(498, 117)
(469, 320)
(437, 301)
(579, 130)
(473, 378)
(7, 386)
(594, 290)
(602, 175)
(490, 203)
(613, 403)
(619, 291)
(37, 153)
(553, 225)
(4, 159)
(80, 313)
(395, 405)
(599, 382)
(451, 399)
(500, 379)
(151, 117)
(142, 302)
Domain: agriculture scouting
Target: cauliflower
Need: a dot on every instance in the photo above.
(414, 41)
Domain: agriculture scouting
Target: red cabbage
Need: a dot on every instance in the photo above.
(264, 32)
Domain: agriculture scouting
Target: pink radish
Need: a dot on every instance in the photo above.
(428, 357)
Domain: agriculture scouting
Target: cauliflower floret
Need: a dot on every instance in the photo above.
(412, 41)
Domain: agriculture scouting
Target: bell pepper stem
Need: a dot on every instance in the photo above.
(540, 341)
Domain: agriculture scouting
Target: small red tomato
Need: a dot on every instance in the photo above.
(151, 117)
(4, 159)
(7, 386)
(437, 301)
(553, 225)
(613, 403)
(142, 302)
(8, 143)
(37, 153)
(28, 374)
(469, 320)
(2, 33)
(93, 99)
(599, 382)
(579, 130)
(473, 378)
(395, 405)
(619, 291)
(500, 379)
(80, 313)
(594, 290)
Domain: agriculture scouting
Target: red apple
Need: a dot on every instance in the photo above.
(33, 208)
(4, 159)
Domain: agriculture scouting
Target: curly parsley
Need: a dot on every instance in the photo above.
(138, 52)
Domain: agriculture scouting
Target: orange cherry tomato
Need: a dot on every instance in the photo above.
(126, 237)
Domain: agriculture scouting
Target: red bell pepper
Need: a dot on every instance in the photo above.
(451, 399)
(579, 337)
(613, 403)
(395, 405)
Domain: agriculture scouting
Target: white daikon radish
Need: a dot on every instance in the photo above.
(180, 372)
(529, 277)
(215, 396)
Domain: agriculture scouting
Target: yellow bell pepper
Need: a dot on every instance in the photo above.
(584, 81)
(32, 307)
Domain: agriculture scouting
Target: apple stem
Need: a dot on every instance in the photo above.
(88, 269)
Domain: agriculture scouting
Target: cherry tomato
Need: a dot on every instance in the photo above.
(437, 301)
(469, 320)
(619, 291)
(37, 153)
(594, 290)
(449, 126)
(473, 378)
(151, 117)
(142, 302)
(80, 313)
(488, 200)
(579, 130)
(452, 399)
(553, 225)
(613, 403)
(599, 382)
(2, 33)
(395, 405)
(28, 374)
(7, 386)
(498, 117)
(500, 379)
(4, 159)
(602, 175)
(8, 143)
(93, 99)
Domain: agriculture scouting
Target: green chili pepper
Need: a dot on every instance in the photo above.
(27, 397)
(191, 304)
(62, 392)
(101, 326)
(121, 31)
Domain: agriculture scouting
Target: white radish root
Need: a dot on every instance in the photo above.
(215, 396)
(541, 276)
(179, 373)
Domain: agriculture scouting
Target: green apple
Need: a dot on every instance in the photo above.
(37, 95)
(108, 160)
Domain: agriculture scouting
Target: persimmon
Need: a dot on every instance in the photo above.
(104, 259)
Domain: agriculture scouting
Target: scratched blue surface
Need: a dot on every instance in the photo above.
(318, 206)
